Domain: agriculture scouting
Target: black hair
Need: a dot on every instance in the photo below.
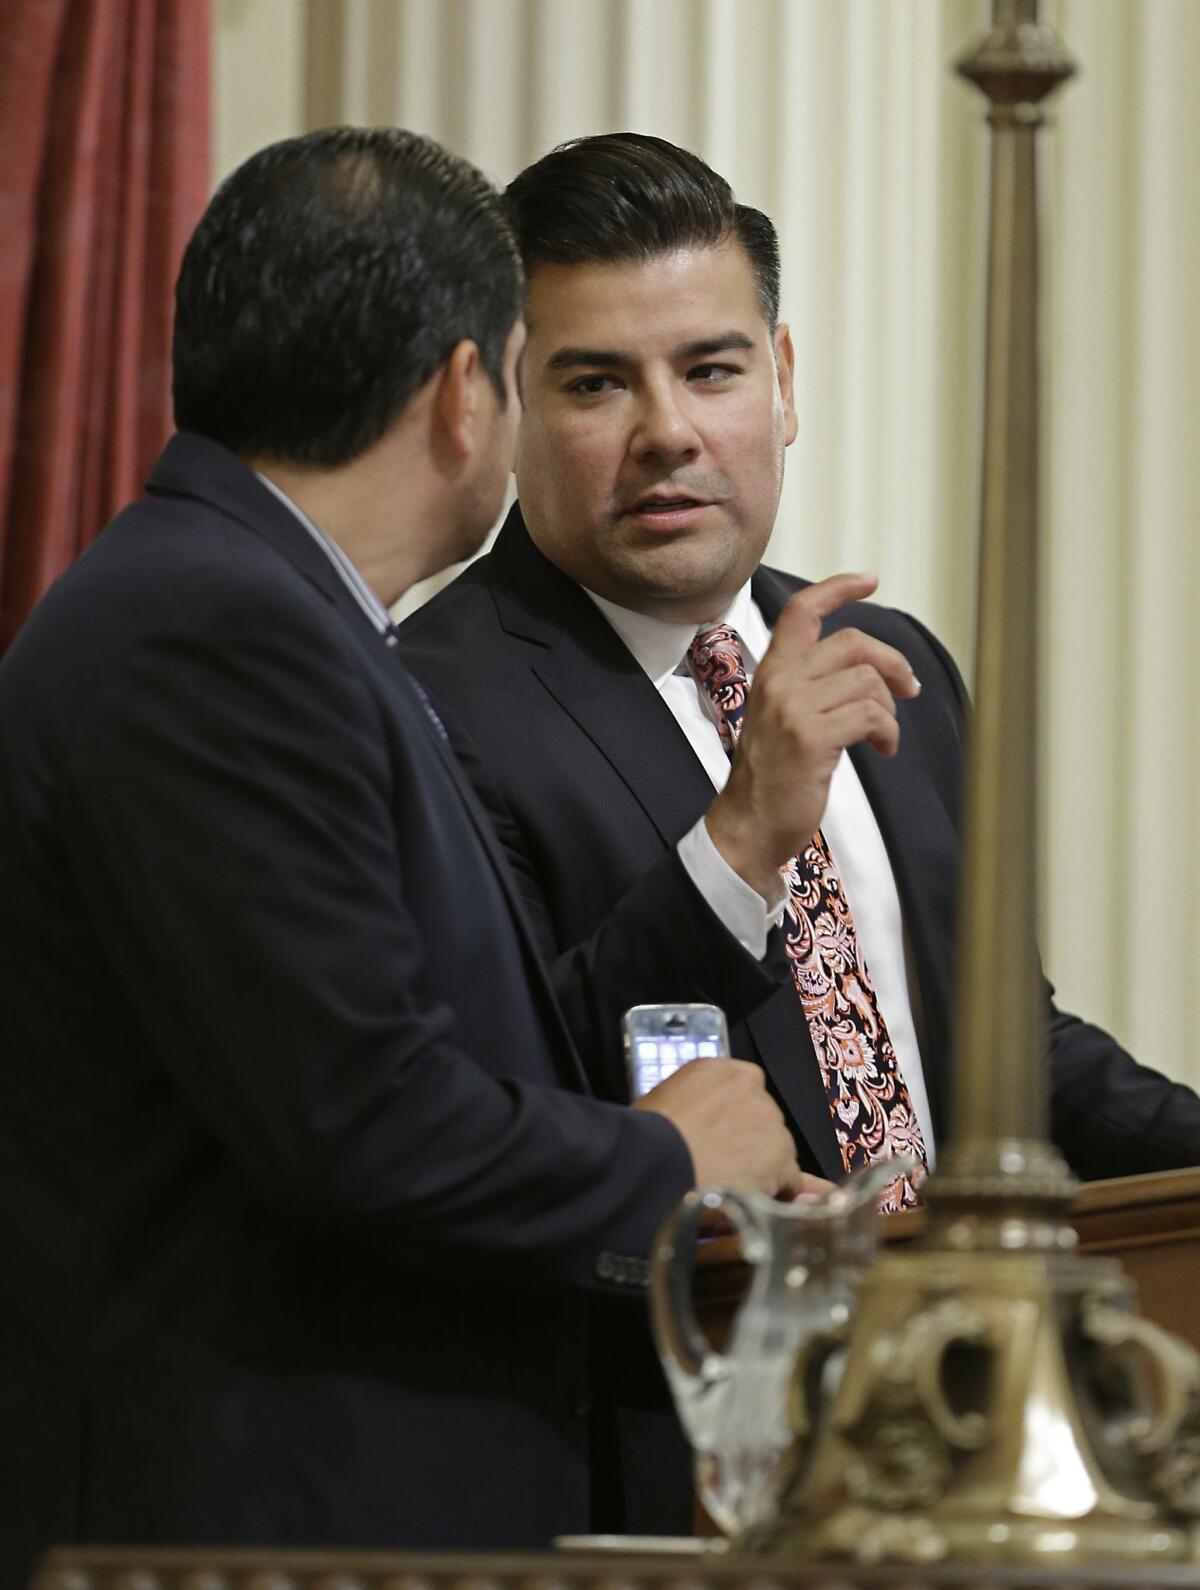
(329, 278)
(628, 196)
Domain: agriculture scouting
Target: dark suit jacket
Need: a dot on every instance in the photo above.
(590, 784)
(303, 1198)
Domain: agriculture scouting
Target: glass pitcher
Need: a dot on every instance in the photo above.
(807, 1259)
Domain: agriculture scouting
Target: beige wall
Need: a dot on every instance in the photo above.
(258, 77)
(844, 122)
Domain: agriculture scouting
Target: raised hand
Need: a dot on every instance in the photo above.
(811, 698)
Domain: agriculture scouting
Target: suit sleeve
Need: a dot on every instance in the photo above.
(233, 823)
(1109, 1115)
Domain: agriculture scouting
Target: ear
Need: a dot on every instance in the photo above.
(456, 399)
(785, 365)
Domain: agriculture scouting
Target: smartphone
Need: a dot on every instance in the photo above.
(661, 1038)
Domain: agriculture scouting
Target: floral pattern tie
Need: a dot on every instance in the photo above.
(868, 1098)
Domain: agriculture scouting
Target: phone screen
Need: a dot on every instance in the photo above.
(661, 1038)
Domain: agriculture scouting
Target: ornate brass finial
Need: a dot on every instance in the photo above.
(1019, 62)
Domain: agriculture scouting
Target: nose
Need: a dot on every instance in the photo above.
(664, 429)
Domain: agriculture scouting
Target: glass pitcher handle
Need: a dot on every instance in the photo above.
(672, 1311)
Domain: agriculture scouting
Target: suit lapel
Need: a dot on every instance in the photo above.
(589, 671)
(630, 724)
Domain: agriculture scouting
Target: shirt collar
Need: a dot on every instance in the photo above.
(362, 593)
(660, 645)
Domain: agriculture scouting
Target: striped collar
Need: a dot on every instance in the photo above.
(372, 608)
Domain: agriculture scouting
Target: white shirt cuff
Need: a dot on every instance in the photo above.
(742, 909)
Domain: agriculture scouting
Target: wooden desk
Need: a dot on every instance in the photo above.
(1150, 1223)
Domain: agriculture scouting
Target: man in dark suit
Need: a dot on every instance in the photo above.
(657, 390)
(306, 1199)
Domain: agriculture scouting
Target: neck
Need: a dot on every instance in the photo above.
(700, 612)
(392, 541)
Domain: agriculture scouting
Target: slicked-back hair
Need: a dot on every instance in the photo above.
(329, 278)
(627, 196)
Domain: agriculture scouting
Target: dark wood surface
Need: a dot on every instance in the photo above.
(117, 1568)
(1150, 1223)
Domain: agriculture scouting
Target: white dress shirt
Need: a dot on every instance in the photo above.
(849, 827)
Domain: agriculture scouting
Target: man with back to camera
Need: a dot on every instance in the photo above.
(701, 721)
(305, 1197)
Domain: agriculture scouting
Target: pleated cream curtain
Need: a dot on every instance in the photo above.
(842, 119)
(1122, 654)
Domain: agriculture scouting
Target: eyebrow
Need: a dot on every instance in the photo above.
(614, 358)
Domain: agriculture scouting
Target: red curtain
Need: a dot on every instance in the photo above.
(104, 128)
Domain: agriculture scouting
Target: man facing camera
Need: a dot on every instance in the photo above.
(716, 781)
(306, 1197)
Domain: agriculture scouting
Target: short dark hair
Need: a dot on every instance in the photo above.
(329, 278)
(628, 196)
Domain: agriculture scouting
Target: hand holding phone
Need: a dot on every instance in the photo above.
(661, 1038)
(734, 1130)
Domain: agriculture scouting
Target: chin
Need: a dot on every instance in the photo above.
(682, 578)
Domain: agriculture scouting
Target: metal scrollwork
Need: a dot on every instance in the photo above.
(1163, 1437)
(905, 1463)
(811, 1391)
(907, 1432)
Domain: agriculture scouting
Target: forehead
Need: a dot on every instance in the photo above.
(666, 300)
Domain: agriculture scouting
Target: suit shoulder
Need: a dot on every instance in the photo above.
(458, 608)
(771, 588)
(179, 561)
(929, 657)
(177, 589)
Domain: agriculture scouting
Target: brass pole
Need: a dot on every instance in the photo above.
(1005, 1095)
(999, 1400)
(1000, 1070)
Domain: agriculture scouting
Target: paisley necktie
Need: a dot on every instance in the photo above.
(868, 1097)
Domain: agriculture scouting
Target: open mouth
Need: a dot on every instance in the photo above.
(666, 512)
(664, 504)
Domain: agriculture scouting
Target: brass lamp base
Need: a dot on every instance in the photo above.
(1000, 1400)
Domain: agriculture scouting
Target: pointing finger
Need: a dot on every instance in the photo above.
(800, 620)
